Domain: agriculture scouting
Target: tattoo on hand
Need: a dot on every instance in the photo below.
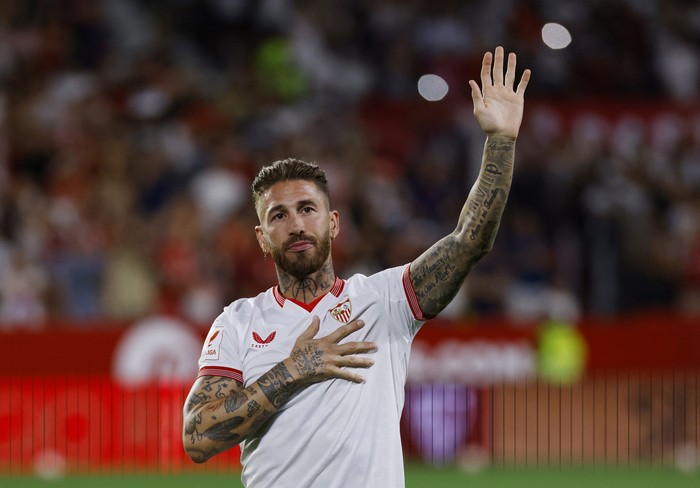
(308, 361)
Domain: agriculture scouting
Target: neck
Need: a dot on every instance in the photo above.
(308, 288)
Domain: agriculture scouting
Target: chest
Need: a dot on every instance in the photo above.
(270, 336)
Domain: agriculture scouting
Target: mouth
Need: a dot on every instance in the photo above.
(300, 246)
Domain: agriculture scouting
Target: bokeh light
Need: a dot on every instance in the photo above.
(555, 36)
(432, 87)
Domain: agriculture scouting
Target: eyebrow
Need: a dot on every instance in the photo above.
(299, 204)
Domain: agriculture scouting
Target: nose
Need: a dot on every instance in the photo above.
(296, 227)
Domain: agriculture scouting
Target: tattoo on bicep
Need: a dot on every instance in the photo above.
(191, 427)
(218, 386)
(195, 399)
(276, 385)
(439, 274)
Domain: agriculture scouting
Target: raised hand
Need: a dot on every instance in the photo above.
(314, 360)
(497, 106)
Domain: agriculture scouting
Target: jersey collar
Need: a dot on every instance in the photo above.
(335, 291)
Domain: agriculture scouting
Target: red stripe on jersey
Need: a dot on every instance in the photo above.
(278, 296)
(411, 295)
(337, 287)
(234, 374)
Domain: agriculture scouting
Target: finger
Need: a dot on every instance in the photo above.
(312, 330)
(477, 97)
(355, 348)
(486, 70)
(345, 374)
(524, 80)
(345, 330)
(510, 71)
(498, 67)
(354, 362)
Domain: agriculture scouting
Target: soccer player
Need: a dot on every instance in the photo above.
(309, 376)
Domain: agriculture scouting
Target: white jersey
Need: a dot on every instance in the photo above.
(335, 433)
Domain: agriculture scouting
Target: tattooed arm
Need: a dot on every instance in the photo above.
(439, 272)
(219, 413)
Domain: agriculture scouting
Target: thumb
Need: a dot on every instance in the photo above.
(477, 97)
(312, 330)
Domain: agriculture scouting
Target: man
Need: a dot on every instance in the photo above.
(319, 405)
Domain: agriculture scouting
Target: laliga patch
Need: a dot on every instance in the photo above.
(342, 312)
(213, 345)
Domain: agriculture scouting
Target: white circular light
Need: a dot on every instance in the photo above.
(432, 87)
(556, 36)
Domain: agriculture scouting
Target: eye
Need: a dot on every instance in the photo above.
(277, 216)
(307, 210)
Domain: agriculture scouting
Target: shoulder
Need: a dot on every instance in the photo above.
(240, 310)
(383, 280)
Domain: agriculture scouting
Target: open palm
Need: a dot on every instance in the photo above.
(498, 107)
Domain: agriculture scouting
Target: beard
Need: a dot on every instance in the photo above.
(302, 264)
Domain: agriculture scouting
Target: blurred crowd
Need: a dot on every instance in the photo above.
(130, 132)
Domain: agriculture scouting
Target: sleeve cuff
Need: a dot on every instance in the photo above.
(234, 374)
(411, 295)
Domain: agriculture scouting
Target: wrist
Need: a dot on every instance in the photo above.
(501, 137)
(299, 378)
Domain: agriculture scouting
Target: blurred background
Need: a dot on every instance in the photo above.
(130, 132)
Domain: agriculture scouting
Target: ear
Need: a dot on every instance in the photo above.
(259, 235)
(335, 224)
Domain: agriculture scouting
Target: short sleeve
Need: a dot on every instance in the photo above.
(219, 355)
(394, 284)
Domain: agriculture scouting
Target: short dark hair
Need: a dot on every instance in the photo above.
(287, 170)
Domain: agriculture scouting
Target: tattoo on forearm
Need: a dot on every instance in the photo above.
(260, 419)
(253, 407)
(276, 385)
(487, 200)
(439, 273)
(222, 430)
(235, 401)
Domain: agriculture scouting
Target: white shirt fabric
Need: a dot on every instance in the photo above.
(335, 433)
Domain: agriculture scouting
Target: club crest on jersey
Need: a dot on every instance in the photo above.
(342, 312)
(260, 342)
